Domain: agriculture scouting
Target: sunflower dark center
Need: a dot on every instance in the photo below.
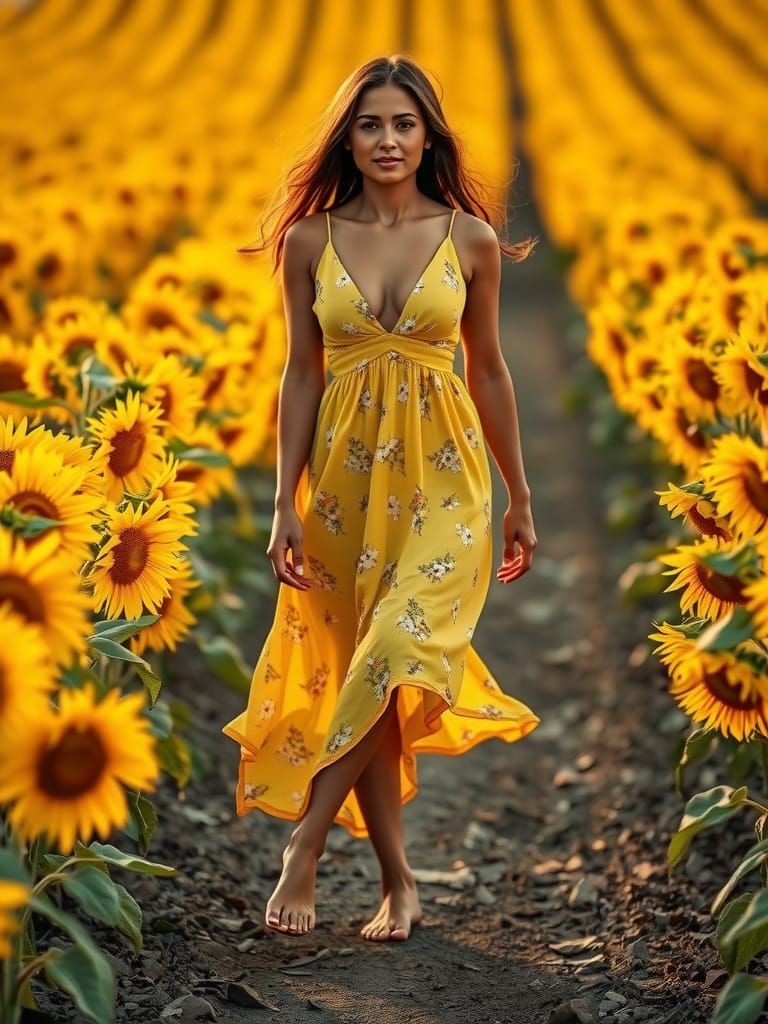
(160, 319)
(129, 556)
(33, 503)
(78, 344)
(127, 449)
(690, 431)
(74, 765)
(8, 253)
(6, 459)
(756, 385)
(756, 488)
(718, 685)
(702, 380)
(725, 588)
(22, 597)
(11, 376)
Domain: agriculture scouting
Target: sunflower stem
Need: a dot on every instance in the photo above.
(31, 968)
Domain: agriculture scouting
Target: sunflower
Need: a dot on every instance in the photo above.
(13, 896)
(16, 313)
(14, 437)
(14, 252)
(72, 325)
(160, 309)
(26, 673)
(133, 569)
(116, 345)
(737, 470)
(14, 357)
(709, 592)
(164, 484)
(208, 481)
(727, 691)
(175, 389)
(691, 377)
(687, 444)
(41, 585)
(697, 509)
(48, 375)
(131, 446)
(744, 376)
(39, 484)
(63, 773)
(175, 618)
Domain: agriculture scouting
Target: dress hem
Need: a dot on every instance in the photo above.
(519, 727)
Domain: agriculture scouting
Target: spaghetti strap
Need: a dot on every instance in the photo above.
(450, 226)
(328, 222)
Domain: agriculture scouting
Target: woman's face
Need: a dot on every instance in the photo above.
(388, 123)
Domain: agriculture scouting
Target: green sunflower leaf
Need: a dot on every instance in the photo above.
(742, 929)
(724, 634)
(754, 858)
(104, 645)
(82, 970)
(121, 629)
(29, 401)
(130, 861)
(742, 1000)
(94, 890)
(143, 820)
(703, 810)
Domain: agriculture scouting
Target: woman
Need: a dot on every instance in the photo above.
(383, 489)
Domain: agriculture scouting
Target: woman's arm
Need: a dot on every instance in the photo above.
(490, 386)
(488, 379)
(303, 380)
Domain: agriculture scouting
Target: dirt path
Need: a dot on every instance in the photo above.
(557, 838)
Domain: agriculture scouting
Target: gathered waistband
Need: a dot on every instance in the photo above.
(343, 358)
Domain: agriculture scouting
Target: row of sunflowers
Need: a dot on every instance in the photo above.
(654, 181)
(140, 361)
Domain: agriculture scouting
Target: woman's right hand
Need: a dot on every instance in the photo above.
(288, 533)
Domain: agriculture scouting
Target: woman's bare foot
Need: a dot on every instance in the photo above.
(291, 908)
(399, 911)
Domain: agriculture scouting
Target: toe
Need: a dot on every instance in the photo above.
(398, 931)
(291, 921)
(282, 923)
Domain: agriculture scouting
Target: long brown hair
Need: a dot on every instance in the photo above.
(324, 174)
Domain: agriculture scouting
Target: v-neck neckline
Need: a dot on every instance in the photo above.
(354, 284)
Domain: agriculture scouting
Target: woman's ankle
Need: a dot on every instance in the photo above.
(397, 876)
(301, 841)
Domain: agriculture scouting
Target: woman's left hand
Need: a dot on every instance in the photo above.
(519, 541)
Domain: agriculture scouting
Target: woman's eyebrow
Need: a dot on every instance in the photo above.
(407, 113)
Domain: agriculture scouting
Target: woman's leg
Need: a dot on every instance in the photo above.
(378, 793)
(291, 907)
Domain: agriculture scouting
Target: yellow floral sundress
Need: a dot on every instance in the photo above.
(395, 501)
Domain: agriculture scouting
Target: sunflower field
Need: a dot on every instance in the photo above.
(140, 362)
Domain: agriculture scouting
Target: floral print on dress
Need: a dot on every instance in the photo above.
(293, 749)
(318, 681)
(340, 738)
(393, 506)
(392, 451)
(325, 579)
(487, 516)
(270, 672)
(366, 559)
(471, 435)
(266, 709)
(377, 675)
(450, 275)
(328, 507)
(251, 791)
(455, 609)
(418, 505)
(450, 501)
(359, 459)
(446, 457)
(414, 622)
(389, 575)
(293, 625)
(438, 568)
(464, 534)
(413, 666)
